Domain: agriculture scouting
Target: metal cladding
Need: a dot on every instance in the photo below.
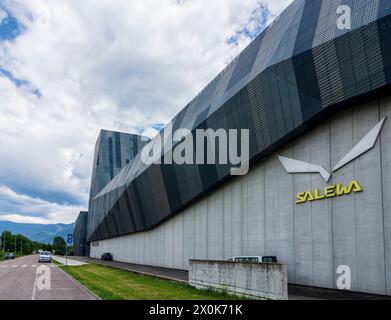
(113, 151)
(294, 75)
(80, 235)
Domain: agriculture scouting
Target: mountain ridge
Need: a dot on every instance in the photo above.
(37, 232)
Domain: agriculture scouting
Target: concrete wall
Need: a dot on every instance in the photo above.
(260, 280)
(256, 214)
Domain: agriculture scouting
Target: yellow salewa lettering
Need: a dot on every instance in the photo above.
(304, 197)
(353, 186)
(301, 198)
(341, 190)
(329, 192)
(318, 195)
(356, 186)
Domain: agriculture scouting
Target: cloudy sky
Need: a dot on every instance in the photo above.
(70, 68)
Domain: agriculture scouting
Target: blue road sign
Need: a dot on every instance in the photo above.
(70, 238)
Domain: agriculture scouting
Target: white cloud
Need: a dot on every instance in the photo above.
(121, 65)
(18, 218)
(3, 15)
(35, 210)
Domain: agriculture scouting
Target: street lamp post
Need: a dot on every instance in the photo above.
(4, 246)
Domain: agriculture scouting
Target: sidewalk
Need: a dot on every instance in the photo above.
(69, 262)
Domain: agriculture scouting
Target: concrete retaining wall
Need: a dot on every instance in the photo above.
(259, 280)
(257, 215)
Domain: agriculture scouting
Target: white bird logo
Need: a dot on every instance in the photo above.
(366, 144)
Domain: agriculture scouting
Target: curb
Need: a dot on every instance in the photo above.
(84, 288)
(144, 273)
(139, 272)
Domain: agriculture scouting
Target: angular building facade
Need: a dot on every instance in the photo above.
(113, 151)
(80, 247)
(307, 90)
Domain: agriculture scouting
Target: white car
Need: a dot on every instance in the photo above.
(45, 256)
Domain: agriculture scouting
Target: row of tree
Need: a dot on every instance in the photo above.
(22, 245)
(18, 244)
(59, 246)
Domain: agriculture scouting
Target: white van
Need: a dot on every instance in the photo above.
(254, 259)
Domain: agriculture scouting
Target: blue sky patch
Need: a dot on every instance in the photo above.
(10, 76)
(10, 27)
(19, 82)
(254, 26)
(158, 127)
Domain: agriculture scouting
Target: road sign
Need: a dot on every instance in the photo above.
(70, 238)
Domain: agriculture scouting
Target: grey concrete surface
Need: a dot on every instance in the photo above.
(68, 261)
(19, 279)
(252, 280)
(257, 215)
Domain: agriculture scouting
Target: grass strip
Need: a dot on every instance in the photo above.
(114, 284)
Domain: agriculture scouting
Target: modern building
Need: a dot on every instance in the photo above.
(80, 247)
(315, 95)
(113, 151)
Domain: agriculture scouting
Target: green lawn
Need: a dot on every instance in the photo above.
(113, 284)
(56, 262)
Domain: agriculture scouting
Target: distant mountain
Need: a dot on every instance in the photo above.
(37, 232)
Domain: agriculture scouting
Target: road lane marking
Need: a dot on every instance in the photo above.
(24, 266)
(33, 265)
(4, 266)
(15, 266)
(35, 285)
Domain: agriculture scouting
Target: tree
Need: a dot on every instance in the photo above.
(47, 247)
(70, 250)
(59, 245)
(6, 241)
(18, 244)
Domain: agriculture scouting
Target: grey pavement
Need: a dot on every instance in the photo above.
(69, 261)
(21, 279)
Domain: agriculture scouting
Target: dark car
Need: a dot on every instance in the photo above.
(9, 256)
(107, 257)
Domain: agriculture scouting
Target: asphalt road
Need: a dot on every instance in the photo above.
(24, 279)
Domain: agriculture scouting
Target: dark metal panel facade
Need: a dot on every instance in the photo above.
(298, 72)
(113, 151)
(80, 247)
